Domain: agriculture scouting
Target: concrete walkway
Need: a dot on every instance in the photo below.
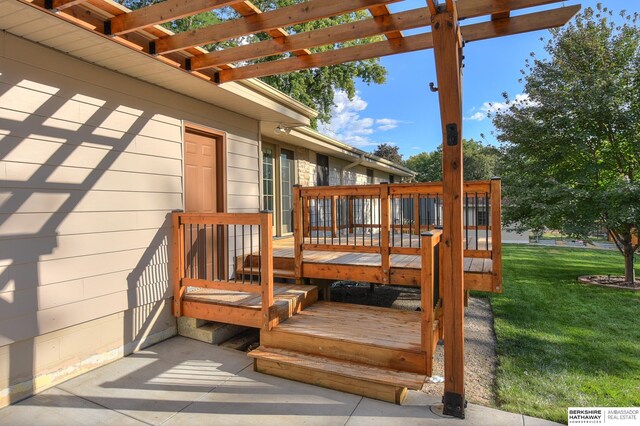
(185, 382)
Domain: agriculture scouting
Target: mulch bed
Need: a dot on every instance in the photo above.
(610, 281)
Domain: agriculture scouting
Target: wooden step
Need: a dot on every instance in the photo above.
(380, 337)
(240, 308)
(285, 263)
(360, 379)
(284, 273)
(277, 273)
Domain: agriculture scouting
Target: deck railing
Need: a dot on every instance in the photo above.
(209, 251)
(389, 218)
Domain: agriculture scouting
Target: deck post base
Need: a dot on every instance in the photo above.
(454, 404)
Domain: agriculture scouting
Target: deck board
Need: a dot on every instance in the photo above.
(281, 292)
(283, 247)
(400, 330)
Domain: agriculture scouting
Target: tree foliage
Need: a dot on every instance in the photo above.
(480, 162)
(572, 149)
(389, 152)
(314, 87)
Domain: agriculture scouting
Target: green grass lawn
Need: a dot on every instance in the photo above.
(560, 343)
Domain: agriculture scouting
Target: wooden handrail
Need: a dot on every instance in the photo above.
(209, 235)
(424, 188)
(328, 191)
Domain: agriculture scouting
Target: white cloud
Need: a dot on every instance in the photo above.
(349, 126)
(385, 124)
(480, 114)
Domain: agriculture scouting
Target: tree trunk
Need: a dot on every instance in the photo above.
(629, 271)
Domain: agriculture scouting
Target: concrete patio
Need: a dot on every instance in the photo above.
(182, 381)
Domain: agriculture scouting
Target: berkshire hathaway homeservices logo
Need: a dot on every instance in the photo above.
(603, 415)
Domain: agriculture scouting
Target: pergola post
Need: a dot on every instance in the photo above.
(448, 57)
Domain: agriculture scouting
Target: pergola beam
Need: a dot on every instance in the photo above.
(476, 8)
(339, 33)
(159, 13)
(62, 4)
(382, 11)
(331, 57)
(246, 8)
(481, 31)
(284, 17)
(519, 24)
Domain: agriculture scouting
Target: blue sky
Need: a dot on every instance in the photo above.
(404, 112)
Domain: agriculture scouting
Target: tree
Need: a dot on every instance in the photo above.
(427, 165)
(480, 162)
(388, 152)
(314, 87)
(572, 148)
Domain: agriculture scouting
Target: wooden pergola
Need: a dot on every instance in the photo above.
(139, 30)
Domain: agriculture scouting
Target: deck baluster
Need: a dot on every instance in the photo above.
(190, 250)
(214, 254)
(401, 221)
(364, 220)
(427, 208)
(379, 222)
(476, 206)
(486, 215)
(334, 217)
(250, 254)
(416, 215)
(339, 219)
(371, 214)
(466, 220)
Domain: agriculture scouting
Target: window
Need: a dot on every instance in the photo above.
(482, 218)
(267, 178)
(392, 179)
(369, 176)
(287, 179)
(322, 170)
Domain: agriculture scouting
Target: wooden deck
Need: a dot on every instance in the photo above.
(224, 267)
(405, 268)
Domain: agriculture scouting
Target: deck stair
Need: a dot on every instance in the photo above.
(370, 351)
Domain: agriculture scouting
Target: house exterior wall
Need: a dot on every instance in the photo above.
(90, 168)
(353, 176)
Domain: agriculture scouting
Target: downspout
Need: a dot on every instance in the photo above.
(349, 166)
(260, 171)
